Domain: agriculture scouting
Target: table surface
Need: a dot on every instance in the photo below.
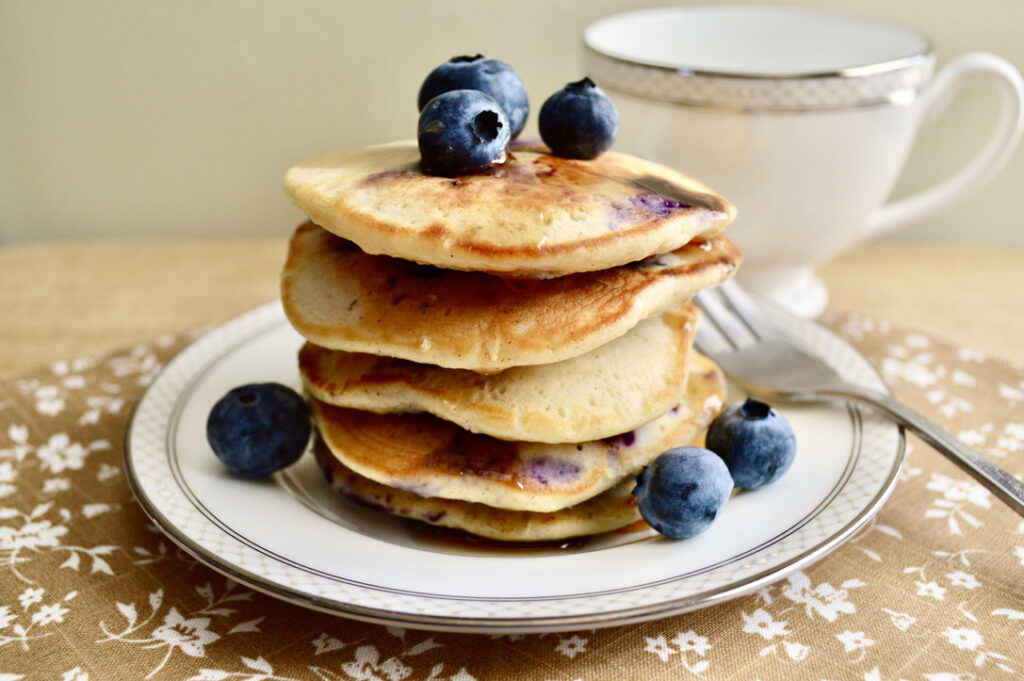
(933, 586)
(65, 300)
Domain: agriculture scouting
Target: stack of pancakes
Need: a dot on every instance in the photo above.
(502, 352)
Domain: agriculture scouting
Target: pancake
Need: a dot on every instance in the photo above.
(429, 457)
(611, 389)
(338, 297)
(536, 215)
(610, 510)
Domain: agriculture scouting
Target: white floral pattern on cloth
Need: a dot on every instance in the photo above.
(190, 634)
(932, 588)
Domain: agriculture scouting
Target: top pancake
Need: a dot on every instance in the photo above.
(341, 298)
(536, 215)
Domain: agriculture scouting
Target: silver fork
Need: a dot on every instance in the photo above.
(766, 364)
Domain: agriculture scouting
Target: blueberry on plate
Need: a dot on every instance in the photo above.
(258, 428)
(578, 121)
(682, 491)
(755, 441)
(490, 76)
(460, 131)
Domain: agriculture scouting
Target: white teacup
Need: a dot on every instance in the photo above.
(801, 118)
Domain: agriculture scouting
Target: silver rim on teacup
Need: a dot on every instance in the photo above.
(889, 81)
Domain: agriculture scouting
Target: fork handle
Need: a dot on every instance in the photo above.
(1008, 488)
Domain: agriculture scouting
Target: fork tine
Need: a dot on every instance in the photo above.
(746, 309)
(774, 366)
(710, 337)
(726, 323)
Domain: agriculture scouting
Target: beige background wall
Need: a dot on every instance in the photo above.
(146, 119)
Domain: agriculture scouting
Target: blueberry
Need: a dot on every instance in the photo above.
(681, 492)
(578, 121)
(755, 441)
(490, 76)
(258, 428)
(461, 130)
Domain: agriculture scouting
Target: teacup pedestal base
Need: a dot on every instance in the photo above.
(798, 290)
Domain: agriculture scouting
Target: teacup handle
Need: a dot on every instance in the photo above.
(933, 101)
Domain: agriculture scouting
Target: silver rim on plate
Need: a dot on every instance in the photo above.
(154, 474)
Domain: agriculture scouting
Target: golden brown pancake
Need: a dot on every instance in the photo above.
(429, 457)
(536, 215)
(612, 389)
(338, 297)
(610, 510)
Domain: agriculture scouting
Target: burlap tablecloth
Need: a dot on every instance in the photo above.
(932, 589)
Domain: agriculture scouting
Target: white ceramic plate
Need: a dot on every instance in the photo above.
(293, 538)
